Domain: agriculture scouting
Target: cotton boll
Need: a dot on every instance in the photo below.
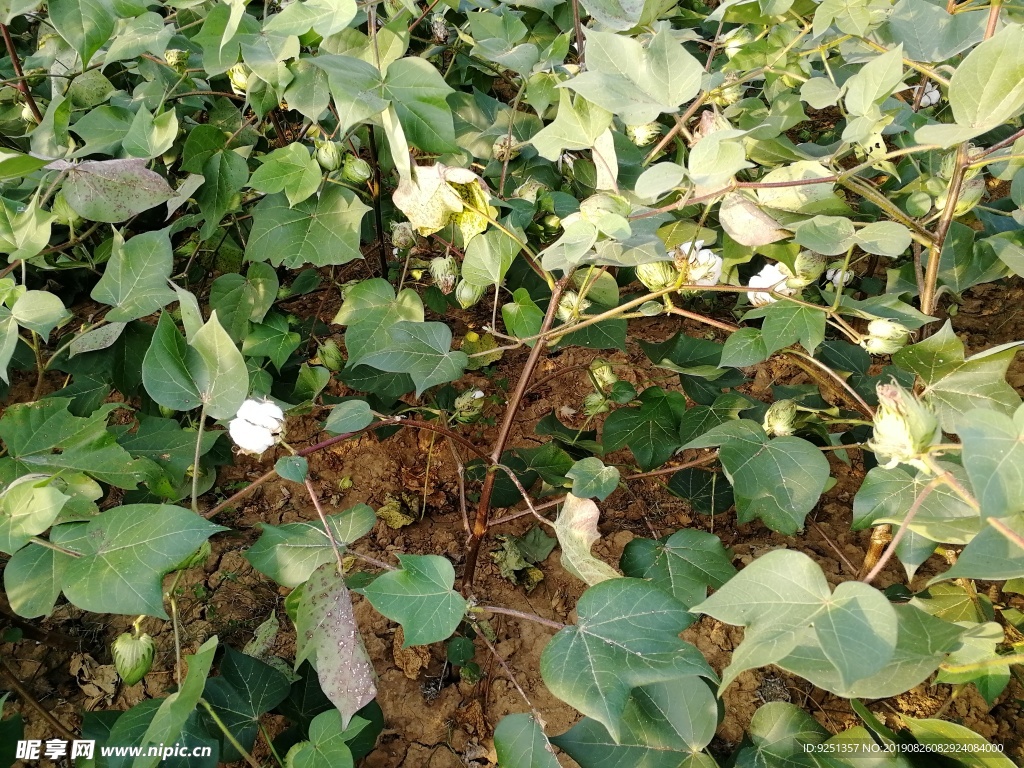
(261, 413)
(773, 276)
(249, 437)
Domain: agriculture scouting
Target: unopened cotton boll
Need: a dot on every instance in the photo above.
(904, 427)
(774, 277)
(657, 275)
(836, 275)
(780, 419)
(257, 426)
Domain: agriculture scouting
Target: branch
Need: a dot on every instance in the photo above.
(22, 84)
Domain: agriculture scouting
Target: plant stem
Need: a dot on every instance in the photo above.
(195, 464)
(578, 30)
(22, 84)
(931, 275)
(378, 216)
(511, 414)
(904, 527)
(521, 615)
(26, 696)
(315, 498)
(228, 735)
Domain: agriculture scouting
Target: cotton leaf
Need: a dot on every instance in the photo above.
(576, 529)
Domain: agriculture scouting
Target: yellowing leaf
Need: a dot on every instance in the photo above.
(576, 528)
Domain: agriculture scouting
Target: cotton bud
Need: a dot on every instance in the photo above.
(808, 267)
(468, 406)
(439, 30)
(930, 96)
(445, 272)
(505, 148)
(595, 403)
(838, 276)
(356, 170)
(645, 134)
(239, 77)
(885, 337)
(780, 419)
(467, 294)
(257, 426)
(328, 154)
(734, 41)
(971, 192)
(773, 276)
(403, 236)
(329, 355)
(133, 656)
(198, 557)
(904, 427)
(727, 95)
(603, 374)
(177, 59)
(63, 211)
(658, 275)
(571, 306)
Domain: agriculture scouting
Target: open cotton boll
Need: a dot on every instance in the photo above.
(261, 413)
(257, 426)
(773, 276)
(930, 97)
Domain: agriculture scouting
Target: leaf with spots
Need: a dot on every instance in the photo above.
(326, 632)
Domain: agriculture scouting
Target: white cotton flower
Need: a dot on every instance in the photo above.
(699, 265)
(931, 95)
(257, 426)
(773, 276)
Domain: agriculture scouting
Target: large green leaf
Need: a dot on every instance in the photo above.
(778, 480)
(420, 597)
(651, 430)
(956, 385)
(945, 738)
(418, 92)
(225, 173)
(626, 635)
(930, 33)
(135, 282)
(44, 437)
(576, 127)
(786, 322)
(291, 170)
(663, 724)
(34, 575)
(320, 231)
(778, 736)
(617, 14)
(993, 456)
(290, 553)
(370, 310)
(85, 24)
(40, 311)
(520, 743)
(356, 87)
(327, 745)
(326, 630)
(327, 17)
(423, 350)
(27, 509)
(992, 555)
(634, 82)
(684, 564)
(488, 258)
(125, 553)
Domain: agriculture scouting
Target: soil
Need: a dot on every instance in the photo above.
(432, 719)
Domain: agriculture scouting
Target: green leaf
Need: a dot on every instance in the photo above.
(34, 575)
(520, 743)
(349, 416)
(294, 468)
(11, 9)
(43, 436)
(786, 322)
(370, 310)
(592, 479)
(929, 33)
(744, 347)
(987, 89)
(884, 238)
(957, 385)
(950, 738)
(356, 87)
(418, 93)
(226, 173)
(576, 127)
(616, 14)
(778, 734)
(576, 529)
(634, 82)
(978, 645)
(420, 597)
(326, 747)
(146, 33)
(626, 635)
(273, 338)
(175, 709)
(112, 190)
(39, 311)
(85, 24)
(326, 17)
(16, 165)
(783, 600)
(27, 509)
(488, 258)
(874, 82)
(126, 552)
(830, 235)
(326, 629)
(24, 230)
(150, 136)
(804, 198)
(522, 316)
(993, 456)
(423, 350)
(778, 480)
(684, 564)
(320, 231)
(165, 443)
(291, 170)
(135, 281)
(210, 371)
(664, 724)
(651, 430)
(991, 555)
(290, 553)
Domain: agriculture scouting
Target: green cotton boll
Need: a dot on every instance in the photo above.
(571, 306)
(403, 236)
(780, 419)
(808, 267)
(328, 155)
(133, 656)
(330, 356)
(505, 149)
(356, 170)
(904, 427)
(467, 294)
(659, 275)
(238, 75)
(603, 374)
(885, 337)
(643, 135)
